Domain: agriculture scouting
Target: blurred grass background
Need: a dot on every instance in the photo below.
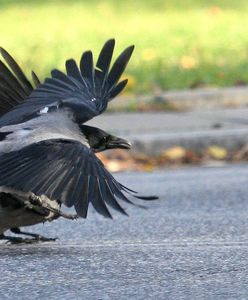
(179, 43)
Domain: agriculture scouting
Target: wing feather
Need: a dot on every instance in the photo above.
(87, 68)
(119, 66)
(66, 171)
(14, 85)
(85, 90)
(17, 71)
(96, 199)
(104, 60)
(109, 196)
(35, 79)
(82, 200)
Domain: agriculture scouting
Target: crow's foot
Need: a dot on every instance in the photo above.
(16, 240)
(36, 238)
(35, 202)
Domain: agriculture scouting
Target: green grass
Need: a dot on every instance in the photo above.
(179, 44)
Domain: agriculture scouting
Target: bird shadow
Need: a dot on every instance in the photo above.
(40, 249)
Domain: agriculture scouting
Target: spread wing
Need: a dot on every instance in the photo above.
(67, 171)
(14, 85)
(85, 90)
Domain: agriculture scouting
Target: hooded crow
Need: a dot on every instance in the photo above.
(47, 153)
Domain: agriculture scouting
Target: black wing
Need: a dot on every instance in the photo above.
(14, 85)
(67, 171)
(86, 89)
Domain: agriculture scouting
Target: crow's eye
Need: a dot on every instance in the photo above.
(104, 139)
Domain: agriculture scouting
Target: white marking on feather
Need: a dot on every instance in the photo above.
(44, 110)
(93, 99)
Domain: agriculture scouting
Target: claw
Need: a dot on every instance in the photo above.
(35, 202)
(35, 237)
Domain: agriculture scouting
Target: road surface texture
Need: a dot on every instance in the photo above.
(191, 244)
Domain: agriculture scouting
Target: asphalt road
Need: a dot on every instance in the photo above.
(191, 244)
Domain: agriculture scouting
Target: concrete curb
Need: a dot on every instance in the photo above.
(197, 141)
(204, 98)
(152, 133)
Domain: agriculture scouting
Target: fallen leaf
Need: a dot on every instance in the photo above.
(114, 166)
(174, 153)
(217, 152)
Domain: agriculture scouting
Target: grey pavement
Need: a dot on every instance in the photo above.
(152, 133)
(191, 244)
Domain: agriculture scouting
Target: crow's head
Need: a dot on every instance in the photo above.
(99, 140)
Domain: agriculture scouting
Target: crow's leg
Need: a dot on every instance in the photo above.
(17, 240)
(35, 236)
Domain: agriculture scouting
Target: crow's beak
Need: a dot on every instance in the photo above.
(118, 143)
